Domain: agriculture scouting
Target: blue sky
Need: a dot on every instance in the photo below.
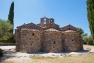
(64, 12)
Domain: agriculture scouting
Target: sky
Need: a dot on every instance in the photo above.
(64, 12)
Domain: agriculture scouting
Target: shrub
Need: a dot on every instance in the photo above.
(88, 40)
(1, 52)
(8, 41)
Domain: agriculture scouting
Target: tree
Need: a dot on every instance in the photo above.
(11, 16)
(1, 52)
(11, 13)
(82, 31)
(90, 15)
(5, 27)
(86, 39)
(90, 40)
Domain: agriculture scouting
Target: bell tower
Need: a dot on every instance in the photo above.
(44, 21)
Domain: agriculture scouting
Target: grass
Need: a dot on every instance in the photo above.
(8, 62)
(86, 58)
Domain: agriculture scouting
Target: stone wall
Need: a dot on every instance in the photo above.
(30, 40)
(52, 41)
(73, 41)
(18, 39)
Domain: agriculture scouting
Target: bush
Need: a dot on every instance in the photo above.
(88, 40)
(1, 52)
(5, 28)
(8, 41)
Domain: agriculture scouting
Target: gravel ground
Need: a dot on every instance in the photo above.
(11, 54)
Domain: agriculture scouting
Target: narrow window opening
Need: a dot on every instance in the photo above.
(69, 28)
(51, 20)
(72, 40)
(63, 40)
(44, 21)
(31, 44)
(54, 42)
(32, 34)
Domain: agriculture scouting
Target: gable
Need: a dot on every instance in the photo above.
(68, 27)
(30, 26)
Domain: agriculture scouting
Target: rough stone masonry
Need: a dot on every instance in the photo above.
(47, 37)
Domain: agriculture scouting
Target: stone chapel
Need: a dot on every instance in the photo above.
(47, 37)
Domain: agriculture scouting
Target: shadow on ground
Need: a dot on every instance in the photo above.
(82, 51)
(7, 53)
(11, 53)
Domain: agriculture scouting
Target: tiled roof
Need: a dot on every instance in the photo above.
(69, 31)
(69, 25)
(29, 29)
(52, 29)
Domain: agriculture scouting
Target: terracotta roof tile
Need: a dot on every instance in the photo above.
(69, 31)
(52, 29)
(29, 29)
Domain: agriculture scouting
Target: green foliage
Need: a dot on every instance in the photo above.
(11, 13)
(86, 39)
(1, 52)
(5, 27)
(8, 41)
(90, 40)
(90, 15)
(81, 31)
(11, 16)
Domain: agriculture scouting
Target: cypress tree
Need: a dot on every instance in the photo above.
(11, 16)
(90, 15)
(11, 13)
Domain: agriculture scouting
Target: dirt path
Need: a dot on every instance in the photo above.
(11, 54)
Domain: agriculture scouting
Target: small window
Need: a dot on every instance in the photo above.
(32, 34)
(63, 40)
(69, 28)
(72, 40)
(31, 44)
(44, 21)
(54, 42)
(25, 34)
